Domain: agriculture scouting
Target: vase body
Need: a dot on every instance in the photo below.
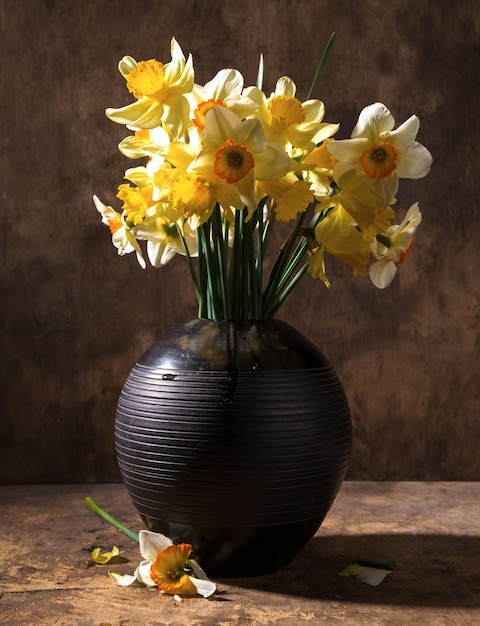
(234, 437)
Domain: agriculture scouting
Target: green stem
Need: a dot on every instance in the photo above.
(220, 248)
(270, 293)
(111, 520)
(196, 286)
(203, 283)
(287, 291)
(235, 274)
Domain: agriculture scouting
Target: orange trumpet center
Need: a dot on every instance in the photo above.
(199, 113)
(379, 161)
(232, 162)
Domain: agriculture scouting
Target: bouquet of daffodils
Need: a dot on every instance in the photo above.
(224, 164)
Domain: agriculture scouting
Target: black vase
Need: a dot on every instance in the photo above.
(234, 437)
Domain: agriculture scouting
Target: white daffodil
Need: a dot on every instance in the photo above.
(122, 237)
(168, 567)
(236, 151)
(378, 155)
(225, 89)
(163, 237)
(391, 248)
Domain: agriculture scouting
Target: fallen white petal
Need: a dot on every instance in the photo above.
(205, 588)
(197, 569)
(124, 580)
(374, 576)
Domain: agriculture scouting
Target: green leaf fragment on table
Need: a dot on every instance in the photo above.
(378, 563)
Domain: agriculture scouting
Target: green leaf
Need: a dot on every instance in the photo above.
(321, 65)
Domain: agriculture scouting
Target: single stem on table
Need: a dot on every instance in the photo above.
(111, 520)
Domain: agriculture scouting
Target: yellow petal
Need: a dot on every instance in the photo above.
(104, 557)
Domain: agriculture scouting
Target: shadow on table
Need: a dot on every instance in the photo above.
(432, 570)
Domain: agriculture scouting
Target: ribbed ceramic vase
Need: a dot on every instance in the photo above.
(234, 437)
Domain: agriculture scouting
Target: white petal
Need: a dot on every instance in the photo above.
(246, 190)
(197, 569)
(272, 163)
(142, 574)
(285, 87)
(348, 150)
(152, 543)
(416, 163)
(205, 588)
(227, 82)
(385, 187)
(373, 120)
(249, 133)
(122, 580)
(373, 576)
(220, 124)
(404, 135)
(382, 273)
(126, 65)
(159, 252)
(106, 211)
(140, 114)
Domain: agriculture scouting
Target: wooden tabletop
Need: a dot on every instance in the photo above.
(431, 531)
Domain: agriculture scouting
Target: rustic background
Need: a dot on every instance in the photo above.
(75, 316)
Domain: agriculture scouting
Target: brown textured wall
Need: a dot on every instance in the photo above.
(75, 316)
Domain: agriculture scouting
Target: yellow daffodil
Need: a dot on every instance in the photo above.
(159, 91)
(225, 163)
(136, 201)
(317, 166)
(150, 143)
(287, 120)
(290, 197)
(377, 155)
(391, 248)
(190, 194)
(122, 237)
(236, 152)
(169, 567)
(339, 235)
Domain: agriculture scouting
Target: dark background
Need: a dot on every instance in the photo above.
(75, 316)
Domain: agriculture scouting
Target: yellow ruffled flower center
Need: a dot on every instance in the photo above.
(193, 195)
(321, 157)
(148, 79)
(379, 161)
(232, 162)
(168, 570)
(285, 112)
(135, 202)
(199, 113)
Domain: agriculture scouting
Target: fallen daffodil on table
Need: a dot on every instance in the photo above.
(169, 567)
(166, 565)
